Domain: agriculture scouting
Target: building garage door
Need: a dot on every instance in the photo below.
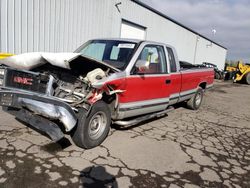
(133, 31)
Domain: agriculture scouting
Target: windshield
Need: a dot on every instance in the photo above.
(113, 52)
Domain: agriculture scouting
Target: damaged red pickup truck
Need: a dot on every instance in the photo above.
(105, 81)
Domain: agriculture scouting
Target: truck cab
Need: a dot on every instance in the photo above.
(152, 79)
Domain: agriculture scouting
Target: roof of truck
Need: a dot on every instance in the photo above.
(135, 41)
(121, 39)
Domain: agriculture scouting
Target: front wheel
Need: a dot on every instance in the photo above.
(247, 78)
(92, 130)
(195, 102)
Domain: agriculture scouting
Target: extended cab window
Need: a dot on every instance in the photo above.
(171, 60)
(155, 57)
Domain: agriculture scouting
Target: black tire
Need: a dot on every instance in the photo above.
(221, 76)
(226, 76)
(92, 130)
(195, 102)
(233, 75)
(217, 75)
(247, 78)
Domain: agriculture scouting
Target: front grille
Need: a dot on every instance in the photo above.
(26, 81)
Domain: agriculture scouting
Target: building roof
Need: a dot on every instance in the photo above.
(174, 21)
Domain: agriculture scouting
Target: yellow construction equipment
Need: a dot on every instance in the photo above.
(240, 73)
(4, 55)
(243, 73)
(231, 68)
(230, 72)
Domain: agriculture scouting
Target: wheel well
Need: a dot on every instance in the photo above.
(203, 85)
(110, 100)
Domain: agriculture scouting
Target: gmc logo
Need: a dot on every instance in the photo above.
(25, 81)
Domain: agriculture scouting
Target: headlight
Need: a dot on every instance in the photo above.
(2, 71)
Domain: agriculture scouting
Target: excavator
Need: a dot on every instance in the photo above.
(240, 73)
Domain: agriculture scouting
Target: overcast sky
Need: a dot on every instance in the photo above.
(230, 19)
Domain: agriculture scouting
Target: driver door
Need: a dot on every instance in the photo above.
(147, 89)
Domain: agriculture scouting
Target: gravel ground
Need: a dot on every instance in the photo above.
(205, 148)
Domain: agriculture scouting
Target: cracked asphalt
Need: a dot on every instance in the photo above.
(205, 148)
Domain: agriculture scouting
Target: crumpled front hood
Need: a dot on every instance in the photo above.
(28, 61)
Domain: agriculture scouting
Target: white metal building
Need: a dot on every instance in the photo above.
(63, 25)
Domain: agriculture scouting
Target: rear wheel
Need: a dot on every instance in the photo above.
(92, 130)
(195, 102)
(221, 75)
(247, 78)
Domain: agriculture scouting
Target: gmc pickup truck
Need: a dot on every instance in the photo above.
(104, 81)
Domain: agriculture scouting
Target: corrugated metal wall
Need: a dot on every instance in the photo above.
(52, 25)
(63, 25)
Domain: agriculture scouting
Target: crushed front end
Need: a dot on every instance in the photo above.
(48, 97)
(27, 95)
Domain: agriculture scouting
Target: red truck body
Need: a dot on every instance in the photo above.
(104, 81)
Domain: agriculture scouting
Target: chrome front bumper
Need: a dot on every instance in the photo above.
(45, 106)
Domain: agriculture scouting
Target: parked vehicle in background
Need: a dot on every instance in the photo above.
(218, 74)
(243, 73)
(240, 73)
(230, 72)
(106, 80)
(187, 65)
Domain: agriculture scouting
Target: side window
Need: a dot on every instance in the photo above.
(171, 60)
(155, 57)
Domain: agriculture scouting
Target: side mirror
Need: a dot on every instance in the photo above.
(142, 65)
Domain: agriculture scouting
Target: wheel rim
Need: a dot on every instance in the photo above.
(198, 99)
(97, 125)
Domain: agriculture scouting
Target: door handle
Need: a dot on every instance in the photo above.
(168, 81)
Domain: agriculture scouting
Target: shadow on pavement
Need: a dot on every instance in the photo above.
(97, 176)
(52, 147)
(55, 147)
